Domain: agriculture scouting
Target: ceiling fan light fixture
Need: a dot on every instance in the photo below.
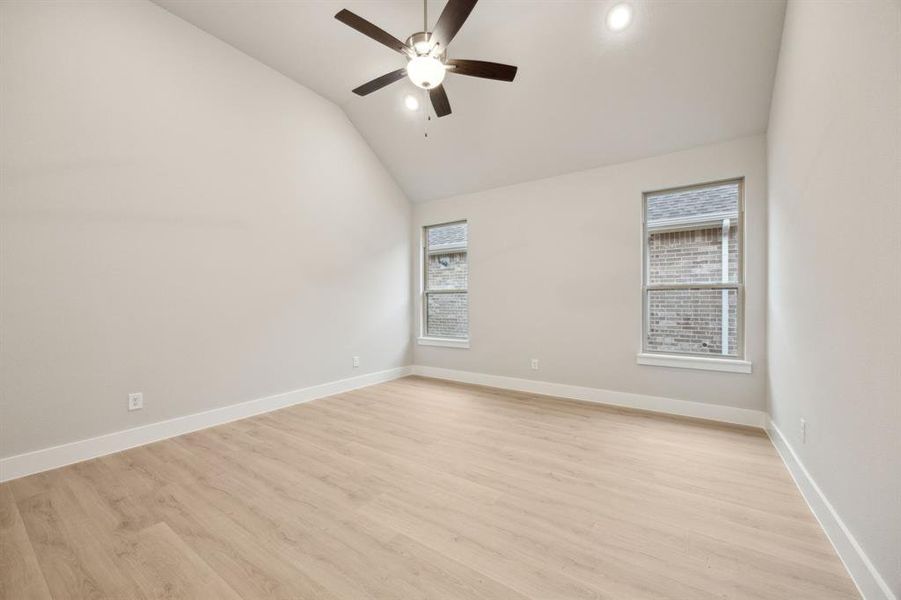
(619, 17)
(426, 72)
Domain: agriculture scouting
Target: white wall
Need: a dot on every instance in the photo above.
(555, 274)
(180, 220)
(834, 331)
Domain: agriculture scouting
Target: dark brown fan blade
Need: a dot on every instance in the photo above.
(439, 101)
(483, 69)
(370, 30)
(380, 82)
(451, 20)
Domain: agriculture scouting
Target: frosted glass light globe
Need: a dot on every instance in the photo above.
(426, 72)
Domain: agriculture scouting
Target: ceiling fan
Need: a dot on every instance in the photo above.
(426, 54)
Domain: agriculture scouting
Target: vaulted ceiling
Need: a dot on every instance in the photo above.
(685, 73)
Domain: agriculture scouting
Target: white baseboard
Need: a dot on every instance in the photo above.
(865, 576)
(45, 459)
(685, 408)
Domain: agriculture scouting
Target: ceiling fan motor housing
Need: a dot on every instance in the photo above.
(420, 44)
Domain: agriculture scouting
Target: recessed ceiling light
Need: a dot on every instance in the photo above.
(411, 102)
(619, 17)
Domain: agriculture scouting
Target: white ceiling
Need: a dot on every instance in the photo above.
(685, 73)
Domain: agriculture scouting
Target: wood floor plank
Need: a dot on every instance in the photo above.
(20, 575)
(419, 488)
(72, 549)
(250, 566)
(307, 516)
(165, 567)
(686, 502)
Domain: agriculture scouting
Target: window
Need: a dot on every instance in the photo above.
(445, 296)
(693, 283)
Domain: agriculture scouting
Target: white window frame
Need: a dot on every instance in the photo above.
(424, 339)
(692, 360)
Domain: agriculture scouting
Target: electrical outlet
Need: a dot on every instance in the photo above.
(803, 431)
(356, 361)
(534, 364)
(136, 401)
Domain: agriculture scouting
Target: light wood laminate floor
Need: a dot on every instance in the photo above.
(424, 489)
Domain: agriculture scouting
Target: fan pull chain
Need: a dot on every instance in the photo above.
(425, 105)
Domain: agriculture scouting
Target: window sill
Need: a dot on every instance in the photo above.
(445, 342)
(728, 365)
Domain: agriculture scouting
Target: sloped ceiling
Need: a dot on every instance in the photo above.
(685, 73)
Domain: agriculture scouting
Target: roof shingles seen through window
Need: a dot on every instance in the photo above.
(697, 204)
(450, 236)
